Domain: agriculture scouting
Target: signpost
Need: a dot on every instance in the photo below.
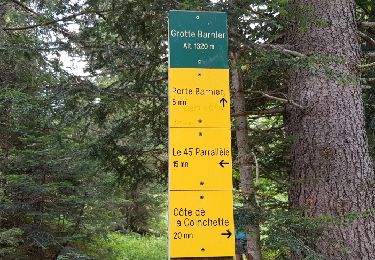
(201, 223)
(198, 40)
(199, 98)
(200, 159)
(200, 173)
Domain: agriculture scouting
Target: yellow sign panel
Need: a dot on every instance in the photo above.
(200, 159)
(199, 98)
(201, 223)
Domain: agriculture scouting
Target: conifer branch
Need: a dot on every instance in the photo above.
(367, 38)
(276, 47)
(133, 94)
(370, 54)
(276, 38)
(143, 95)
(266, 112)
(366, 66)
(367, 24)
(64, 19)
(282, 49)
(24, 7)
(367, 79)
(282, 100)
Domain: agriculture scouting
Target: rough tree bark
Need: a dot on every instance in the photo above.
(245, 159)
(331, 172)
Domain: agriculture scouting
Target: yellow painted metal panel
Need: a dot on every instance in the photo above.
(199, 98)
(201, 224)
(200, 159)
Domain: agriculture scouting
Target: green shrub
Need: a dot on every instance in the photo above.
(130, 247)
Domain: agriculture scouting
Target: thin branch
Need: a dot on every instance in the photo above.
(102, 16)
(256, 168)
(276, 38)
(367, 38)
(274, 128)
(367, 24)
(366, 66)
(158, 80)
(367, 79)
(282, 49)
(275, 47)
(138, 94)
(64, 19)
(370, 54)
(24, 7)
(283, 100)
(266, 112)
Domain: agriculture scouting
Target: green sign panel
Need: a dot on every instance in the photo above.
(198, 39)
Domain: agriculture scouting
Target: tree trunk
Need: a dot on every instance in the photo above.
(245, 160)
(5, 109)
(331, 171)
(7, 139)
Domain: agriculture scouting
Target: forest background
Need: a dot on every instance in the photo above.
(83, 159)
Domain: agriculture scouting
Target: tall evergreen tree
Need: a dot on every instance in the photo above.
(47, 178)
(331, 172)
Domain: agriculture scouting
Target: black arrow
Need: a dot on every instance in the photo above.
(228, 233)
(222, 163)
(223, 101)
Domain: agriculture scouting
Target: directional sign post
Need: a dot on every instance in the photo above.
(199, 224)
(199, 98)
(200, 160)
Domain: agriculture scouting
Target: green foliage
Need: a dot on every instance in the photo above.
(365, 5)
(193, 4)
(285, 232)
(130, 246)
(142, 211)
(46, 175)
(83, 156)
(9, 241)
(366, 12)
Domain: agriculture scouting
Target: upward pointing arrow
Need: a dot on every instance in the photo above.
(223, 101)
